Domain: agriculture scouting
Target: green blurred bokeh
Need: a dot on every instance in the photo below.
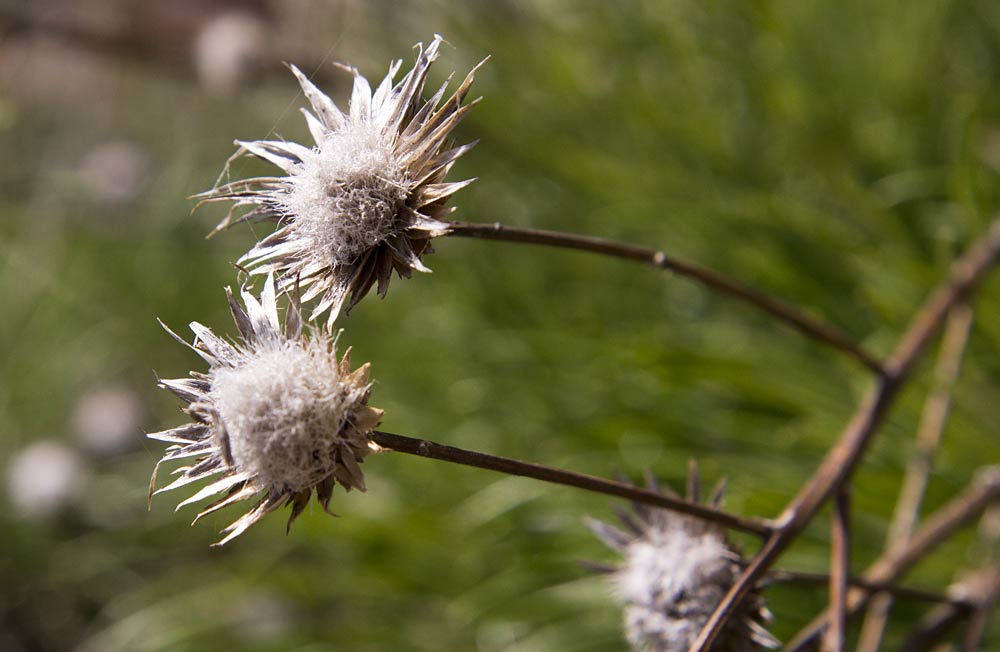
(835, 154)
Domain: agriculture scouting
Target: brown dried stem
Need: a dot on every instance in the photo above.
(842, 458)
(892, 565)
(840, 557)
(985, 601)
(975, 596)
(780, 576)
(935, 625)
(911, 494)
(786, 313)
(424, 448)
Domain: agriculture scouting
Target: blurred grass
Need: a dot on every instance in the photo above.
(838, 155)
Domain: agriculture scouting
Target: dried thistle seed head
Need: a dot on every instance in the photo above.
(276, 417)
(675, 571)
(365, 199)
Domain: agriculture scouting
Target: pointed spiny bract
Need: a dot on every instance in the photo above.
(277, 416)
(676, 570)
(364, 200)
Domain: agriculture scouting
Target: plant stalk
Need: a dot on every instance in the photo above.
(425, 448)
(784, 312)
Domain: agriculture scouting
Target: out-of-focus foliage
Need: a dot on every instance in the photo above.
(836, 154)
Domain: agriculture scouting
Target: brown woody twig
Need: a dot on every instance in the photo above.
(425, 448)
(935, 625)
(911, 494)
(781, 576)
(839, 463)
(783, 311)
(987, 595)
(892, 565)
(976, 595)
(840, 556)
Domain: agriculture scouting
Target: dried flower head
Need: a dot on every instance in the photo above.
(676, 570)
(276, 416)
(363, 201)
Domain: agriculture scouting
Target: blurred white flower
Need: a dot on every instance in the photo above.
(676, 569)
(107, 420)
(229, 49)
(276, 415)
(43, 479)
(261, 615)
(41, 67)
(114, 172)
(366, 199)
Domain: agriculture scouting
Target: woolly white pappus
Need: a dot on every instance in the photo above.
(276, 416)
(676, 569)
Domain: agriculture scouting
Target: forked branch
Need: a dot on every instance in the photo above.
(918, 471)
(986, 600)
(845, 454)
(893, 564)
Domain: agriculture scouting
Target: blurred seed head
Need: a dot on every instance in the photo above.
(114, 172)
(277, 416)
(107, 419)
(261, 615)
(366, 199)
(229, 50)
(989, 524)
(675, 571)
(43, 479)
(973, 585)
(39, 68)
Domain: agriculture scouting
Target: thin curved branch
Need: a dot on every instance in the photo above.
(785, 312)
(425, 448)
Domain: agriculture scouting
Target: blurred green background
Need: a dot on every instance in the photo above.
(836, 154)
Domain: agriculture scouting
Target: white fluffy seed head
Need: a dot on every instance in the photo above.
(672, 580)
(675, 572)
(347, 195)
(664, 565)
(283, 412)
